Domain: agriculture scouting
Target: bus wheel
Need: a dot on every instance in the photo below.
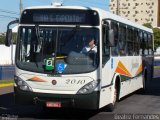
(144, 82)
(112, 106)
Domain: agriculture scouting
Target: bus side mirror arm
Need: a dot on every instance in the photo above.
(9, 32)
(111, 38)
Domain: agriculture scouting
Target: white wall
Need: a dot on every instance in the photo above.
(5, 55)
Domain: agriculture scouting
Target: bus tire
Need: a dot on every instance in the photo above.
(112, 105)
(144, 82)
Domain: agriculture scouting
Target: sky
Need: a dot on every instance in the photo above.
(9, 9)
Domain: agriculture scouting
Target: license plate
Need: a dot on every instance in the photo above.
(53, 104)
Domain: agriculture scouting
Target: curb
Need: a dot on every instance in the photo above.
(6, 85)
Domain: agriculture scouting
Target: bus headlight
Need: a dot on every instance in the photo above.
(22, 84)
(88, 88)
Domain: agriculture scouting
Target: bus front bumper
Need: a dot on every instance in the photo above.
(83, 101)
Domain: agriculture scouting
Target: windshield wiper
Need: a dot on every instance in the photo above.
(55, 54)
(39, 41)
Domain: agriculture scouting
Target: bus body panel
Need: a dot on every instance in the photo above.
(106, 96)
(88, 101)
(129, 73)
(67, 84)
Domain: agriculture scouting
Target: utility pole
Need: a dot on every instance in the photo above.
(20, 7)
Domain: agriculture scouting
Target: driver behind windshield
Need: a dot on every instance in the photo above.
(91, 47)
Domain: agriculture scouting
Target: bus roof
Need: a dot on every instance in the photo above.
(102, 13)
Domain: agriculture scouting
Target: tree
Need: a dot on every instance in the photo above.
(14, 37)
(3, 37)
(148, 25)
(156, 33)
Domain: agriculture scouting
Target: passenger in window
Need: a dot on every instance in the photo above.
(91, 47)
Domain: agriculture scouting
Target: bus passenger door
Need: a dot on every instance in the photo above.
(106, 79)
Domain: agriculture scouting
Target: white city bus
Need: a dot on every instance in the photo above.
(51, 69)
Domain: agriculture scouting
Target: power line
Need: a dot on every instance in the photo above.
(7, 16)
(8, 11)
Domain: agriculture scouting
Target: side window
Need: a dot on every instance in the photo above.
(145, 44)
(105, 45)
(115, 50)
(105, 35)
(136, 43)
(122, 40)
(130, 42)
(150, 44)
(141, 40)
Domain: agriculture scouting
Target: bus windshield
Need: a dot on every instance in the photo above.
(64, 50)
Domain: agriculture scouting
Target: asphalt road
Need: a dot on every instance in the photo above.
(134, 106)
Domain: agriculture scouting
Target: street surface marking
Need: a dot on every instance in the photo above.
(6, 85)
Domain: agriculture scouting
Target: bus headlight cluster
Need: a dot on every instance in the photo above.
(22, 84)
(88, 88)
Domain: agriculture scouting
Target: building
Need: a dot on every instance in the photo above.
(140, 11)
(2, 34)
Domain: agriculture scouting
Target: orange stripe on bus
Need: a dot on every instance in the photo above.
(37, 79)
(122, 69)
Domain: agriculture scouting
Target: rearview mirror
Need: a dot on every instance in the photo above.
(9, 32)
(111, 38)
(8, 37)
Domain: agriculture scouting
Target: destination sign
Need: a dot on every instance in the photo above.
(60, 16)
